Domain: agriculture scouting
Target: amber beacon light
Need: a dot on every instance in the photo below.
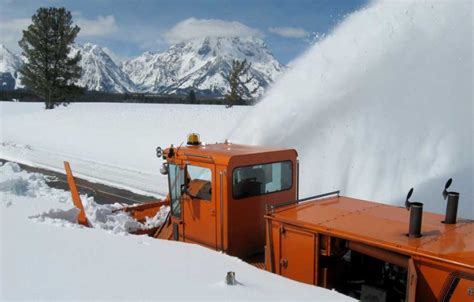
(193, 139)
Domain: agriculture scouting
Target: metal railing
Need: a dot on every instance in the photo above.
(287, 203)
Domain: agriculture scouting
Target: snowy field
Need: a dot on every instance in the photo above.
(111, 143)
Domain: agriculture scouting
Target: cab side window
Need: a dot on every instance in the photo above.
(261, 179)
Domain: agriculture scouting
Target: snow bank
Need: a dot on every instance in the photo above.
(382, 104)
(44, 256)
(16, 182)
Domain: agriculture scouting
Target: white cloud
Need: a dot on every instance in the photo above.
(101, 26)
(193, 28)
(11, 29)
(289, 32)
(11, 32)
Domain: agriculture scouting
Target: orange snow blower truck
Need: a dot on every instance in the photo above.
(243, 200)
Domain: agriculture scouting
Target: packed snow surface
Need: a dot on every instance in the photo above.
(382, 104)
(44, 256)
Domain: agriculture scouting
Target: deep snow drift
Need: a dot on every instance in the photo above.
(44, 256)
(382, 104)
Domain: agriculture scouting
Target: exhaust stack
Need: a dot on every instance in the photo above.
(452, 205)
(416, 215)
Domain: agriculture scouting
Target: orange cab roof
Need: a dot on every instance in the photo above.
(384, 226)
(223, 152)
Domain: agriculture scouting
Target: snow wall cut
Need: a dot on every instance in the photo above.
(382, 104)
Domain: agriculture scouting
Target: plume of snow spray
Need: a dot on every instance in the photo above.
(382, 104)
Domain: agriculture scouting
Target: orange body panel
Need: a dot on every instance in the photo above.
(386, 227)
(246, 222)
(381, 230)
(297, 252)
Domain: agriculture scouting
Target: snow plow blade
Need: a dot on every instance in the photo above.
(142, 211)
(138, 212)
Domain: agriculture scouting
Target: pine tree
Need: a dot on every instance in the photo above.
(192, 96)
(49, 71)
(237, 83)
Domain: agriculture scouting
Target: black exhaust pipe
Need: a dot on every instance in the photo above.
(416, 215)
(452, 205)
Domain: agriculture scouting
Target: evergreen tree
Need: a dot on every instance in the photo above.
(192, 96)
(49, 71)
(237, 83)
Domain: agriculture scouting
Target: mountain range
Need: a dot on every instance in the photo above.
(198, 64)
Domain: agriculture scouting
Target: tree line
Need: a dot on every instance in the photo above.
(24, 95)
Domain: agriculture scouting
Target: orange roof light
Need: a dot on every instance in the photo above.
(193, 139)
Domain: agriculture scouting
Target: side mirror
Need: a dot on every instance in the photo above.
(159, 152)
(184, 189)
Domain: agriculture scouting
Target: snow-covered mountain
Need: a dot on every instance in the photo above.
(99, 71)
(9, 65)
(199, 64)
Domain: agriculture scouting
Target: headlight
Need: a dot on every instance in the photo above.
(164, 169)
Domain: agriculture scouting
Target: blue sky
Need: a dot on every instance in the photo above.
(128, 28)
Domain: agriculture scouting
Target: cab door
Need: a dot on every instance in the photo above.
(199, 205)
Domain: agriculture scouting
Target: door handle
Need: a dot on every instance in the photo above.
(213, 212)
(284, 262)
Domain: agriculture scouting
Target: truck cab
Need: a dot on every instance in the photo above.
(219, 192)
